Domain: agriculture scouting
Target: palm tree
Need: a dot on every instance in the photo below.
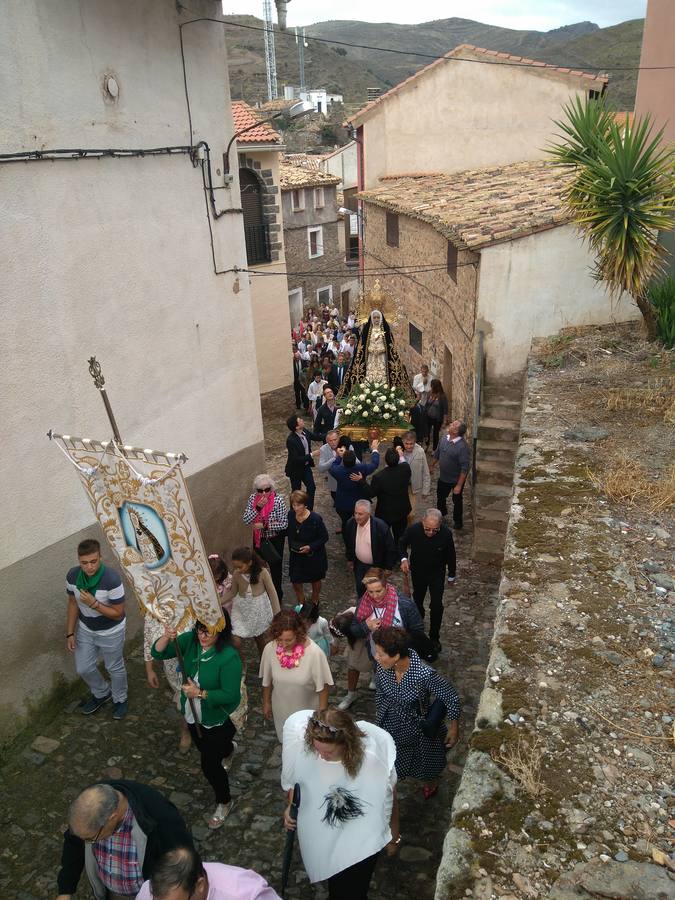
(621, 194)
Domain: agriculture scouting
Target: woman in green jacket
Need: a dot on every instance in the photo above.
(213, 672)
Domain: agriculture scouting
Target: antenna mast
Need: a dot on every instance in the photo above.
(270, 54)
(300, 41)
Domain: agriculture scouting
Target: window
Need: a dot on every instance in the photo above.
(415, 338)
(325, 295)
(315, 242)
(256, 229)
(392, 229)
(318, 198)
(297, 199)
(452, 261)
(594, 95)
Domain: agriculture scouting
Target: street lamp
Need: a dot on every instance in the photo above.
(298, 109)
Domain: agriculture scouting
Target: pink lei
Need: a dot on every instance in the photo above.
(290, 660)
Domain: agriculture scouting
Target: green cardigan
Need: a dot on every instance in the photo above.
(219, 675)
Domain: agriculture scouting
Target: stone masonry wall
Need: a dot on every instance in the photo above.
(327, 270)
(567, 790)
(432, 301)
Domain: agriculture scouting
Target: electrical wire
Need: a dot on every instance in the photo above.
(123, 153)
(484, 62)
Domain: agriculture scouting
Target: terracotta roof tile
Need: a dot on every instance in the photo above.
(291, 177)
(464, 51)
(480, 207)
(244, 116)
(306, 160)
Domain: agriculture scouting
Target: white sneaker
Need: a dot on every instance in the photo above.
(347, 700)
(451, 579)
(371, 686)
(227, 762)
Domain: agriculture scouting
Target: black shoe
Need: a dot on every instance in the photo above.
(436, 645)
(92, 704)
(457, 527)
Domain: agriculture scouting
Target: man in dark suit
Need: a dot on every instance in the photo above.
(329, 372)
(432, 551)
(300, 463)
(341, 369)
(327, 416)
(390, 487)
(368, 543)
(299, 364)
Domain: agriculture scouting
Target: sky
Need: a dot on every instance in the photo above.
(539, 15)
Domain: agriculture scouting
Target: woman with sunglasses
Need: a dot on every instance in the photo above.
(406, 691)
(348, 809)
(212, 669)
(267, 514)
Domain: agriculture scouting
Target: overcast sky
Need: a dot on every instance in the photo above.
(540, 15)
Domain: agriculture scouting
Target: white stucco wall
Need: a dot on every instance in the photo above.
(535, 286)
(463, 115)
(111, 257)
(343, 164)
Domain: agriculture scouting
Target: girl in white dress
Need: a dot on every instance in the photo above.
(254, 598)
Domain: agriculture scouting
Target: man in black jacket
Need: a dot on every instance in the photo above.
(128, 810)
(300, 462)
(299, 365)
(432, 551)
(390, 487)
(368, 544)
(327, 417)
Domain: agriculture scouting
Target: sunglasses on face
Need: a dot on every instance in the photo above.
(264, 490)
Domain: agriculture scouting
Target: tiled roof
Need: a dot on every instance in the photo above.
(306, 160)
(243, 116)
(481, 207)
(298, 176)
(465, 51)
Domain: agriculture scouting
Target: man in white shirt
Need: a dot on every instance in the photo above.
(315, 393)
(422, 385)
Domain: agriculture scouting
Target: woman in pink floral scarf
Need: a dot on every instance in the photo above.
(266, 512)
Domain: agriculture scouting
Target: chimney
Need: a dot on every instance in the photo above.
(281, 13)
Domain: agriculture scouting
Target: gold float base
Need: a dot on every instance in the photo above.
(368, 433)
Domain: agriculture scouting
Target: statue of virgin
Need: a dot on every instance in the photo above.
(376, 350)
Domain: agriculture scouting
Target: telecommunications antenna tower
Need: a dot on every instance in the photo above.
(270, 54)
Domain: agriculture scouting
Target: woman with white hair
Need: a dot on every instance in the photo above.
(267, 514)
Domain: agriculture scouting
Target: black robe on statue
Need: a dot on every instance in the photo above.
(356, 374)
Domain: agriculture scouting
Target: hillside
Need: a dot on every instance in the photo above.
(350, 70)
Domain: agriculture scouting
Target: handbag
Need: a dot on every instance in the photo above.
(268, 552)
(430, 723)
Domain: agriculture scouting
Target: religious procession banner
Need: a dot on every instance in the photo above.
(142, 503)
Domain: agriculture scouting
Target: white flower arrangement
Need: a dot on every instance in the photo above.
(373, 403)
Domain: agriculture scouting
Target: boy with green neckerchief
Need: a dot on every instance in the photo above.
(96, 626)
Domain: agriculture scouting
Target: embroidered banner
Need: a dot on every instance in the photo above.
(142, 504)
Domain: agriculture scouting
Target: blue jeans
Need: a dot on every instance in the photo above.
(89, 645)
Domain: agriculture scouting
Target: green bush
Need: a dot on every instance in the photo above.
(662, 296)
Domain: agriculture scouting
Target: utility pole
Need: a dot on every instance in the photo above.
(300, 41)
(270, 53)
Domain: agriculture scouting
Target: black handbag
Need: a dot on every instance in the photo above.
(431, 723)
(268, 552)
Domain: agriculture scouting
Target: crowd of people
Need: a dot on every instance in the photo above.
(131, 840)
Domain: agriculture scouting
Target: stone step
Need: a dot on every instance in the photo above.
(490, 519)
(498, 429)
(488, 546)
(496, 450)
(502, 392)
(493, 496)
(497, 472)
(502, 409)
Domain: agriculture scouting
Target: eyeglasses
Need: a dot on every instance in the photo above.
(265, 490)
(430, 530)
(97, 836)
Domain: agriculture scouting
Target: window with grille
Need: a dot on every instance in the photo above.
(415, 337)
(392, 229)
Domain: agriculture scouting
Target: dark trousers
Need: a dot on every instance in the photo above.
(443, 488)
(215, 744)
(352, 883)
(360, 569)
(276, 570)
(397, 528)
(434, 431)
(301, 399)
(307, 478)
(434, 582)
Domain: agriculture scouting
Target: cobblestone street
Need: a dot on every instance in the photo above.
(39, 780)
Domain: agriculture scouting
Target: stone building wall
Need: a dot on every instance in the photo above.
(442, 309)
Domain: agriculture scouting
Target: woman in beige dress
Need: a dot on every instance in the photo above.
(294, 670)
(254, 598)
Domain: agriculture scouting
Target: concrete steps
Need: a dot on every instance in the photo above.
(493, 429)
(496, 449)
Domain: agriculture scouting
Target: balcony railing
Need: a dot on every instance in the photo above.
(257, 244)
